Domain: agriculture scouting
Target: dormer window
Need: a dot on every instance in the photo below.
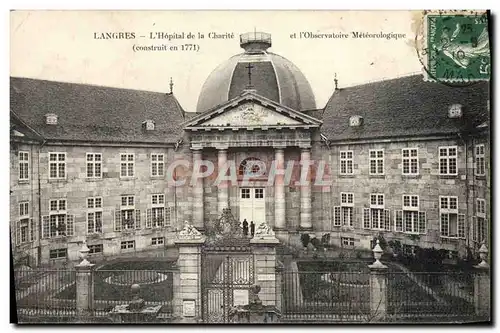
(51, 119)
(455, 111)
(355, 121)
(149, 125)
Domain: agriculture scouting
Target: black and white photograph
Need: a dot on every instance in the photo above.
(250, 167)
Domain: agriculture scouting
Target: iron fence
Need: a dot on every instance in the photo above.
(51, 294)
(430, 294)
(37, 292)
(320, 296)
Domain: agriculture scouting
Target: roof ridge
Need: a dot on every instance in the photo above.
(385, 79)
(90, 85)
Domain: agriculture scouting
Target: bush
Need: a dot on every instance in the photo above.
(304, 238)
(317, 244)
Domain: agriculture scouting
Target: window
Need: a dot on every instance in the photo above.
(376, 217)
(410, 161)
(94, 215)
(58, 253)
(376, 162)
(480, 161)
(347, 241)
(157, 165)
(346, 162)
(126, 216)
(245, 193)
(25, 227)
(410, 219)
(452, 223)
(125, 245)
(157, 240)
(156, 214)
(448, 160)
(24, 165)
(97, 248)
(480, 227)
(259, 193)
(57, 165)
(343, 214)
(127, 165)
(58, 222)
(94, 165)
(250, 167)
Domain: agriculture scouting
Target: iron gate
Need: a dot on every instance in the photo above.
(227, 275)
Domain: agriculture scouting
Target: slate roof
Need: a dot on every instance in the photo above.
(95, 113)
(406, 106)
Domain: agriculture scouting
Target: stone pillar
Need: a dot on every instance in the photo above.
(279, 191)
(84, 286)
(264, 250)
(223, 187)
(198, 215)
(378, 286)
(482, 292)
(187, 283)
(305, 192)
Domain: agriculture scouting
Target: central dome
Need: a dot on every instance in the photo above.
(272, 76)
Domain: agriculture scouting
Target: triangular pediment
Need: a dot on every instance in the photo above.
(251, 111)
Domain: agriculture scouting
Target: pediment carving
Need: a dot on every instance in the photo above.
(250, 114)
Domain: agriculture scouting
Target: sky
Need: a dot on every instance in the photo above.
(61, 46)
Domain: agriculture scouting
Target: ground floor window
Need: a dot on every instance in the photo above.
(157, 240)
(347, 241)
(58, 253)
(96, 248)
(127, 245)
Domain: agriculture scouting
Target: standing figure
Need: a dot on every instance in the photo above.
(252, 228)
(245, 227)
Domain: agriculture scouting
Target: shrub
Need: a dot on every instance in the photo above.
(304, 238)
(317, 244)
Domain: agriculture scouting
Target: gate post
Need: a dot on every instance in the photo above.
(264, 245)
(482, 291)
(84, 286)
(187, 291)
(378, 286)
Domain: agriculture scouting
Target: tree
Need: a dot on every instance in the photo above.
(305, 238)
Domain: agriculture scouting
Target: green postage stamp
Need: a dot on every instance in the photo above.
(457, 46)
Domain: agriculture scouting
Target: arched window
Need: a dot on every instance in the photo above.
(250, 166)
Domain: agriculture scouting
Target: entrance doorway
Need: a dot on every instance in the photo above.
(253, 204)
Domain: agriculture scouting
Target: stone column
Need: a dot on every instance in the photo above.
(223, 188)
(279, 191)
(264, 251)
(482, 292)
(378, 286)
(187, 294)
(84, 286)
(305, 192)
(198, 215)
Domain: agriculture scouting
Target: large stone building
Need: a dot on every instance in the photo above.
(402, 157)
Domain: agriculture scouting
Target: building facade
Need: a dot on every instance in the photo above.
(125, 169)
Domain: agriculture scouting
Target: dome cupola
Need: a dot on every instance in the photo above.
(271, 75)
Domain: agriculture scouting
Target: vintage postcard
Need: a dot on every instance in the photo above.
(217, 167)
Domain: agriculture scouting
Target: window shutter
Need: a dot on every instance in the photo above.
(336, 216)
(17, 232)
(138, 219)
(118, 222)
(474, 229)
(70, 219)
(422, 223)
(32, 230)
(149, 218)
(387, 219)
(165, 211)
(45, 226)
(398, 221)
(461, 226)
(366, 218)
